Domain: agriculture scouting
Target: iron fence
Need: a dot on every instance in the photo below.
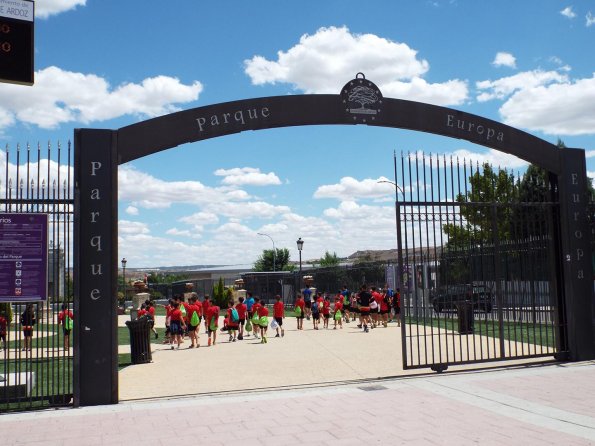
(478, 267)
(39, 374)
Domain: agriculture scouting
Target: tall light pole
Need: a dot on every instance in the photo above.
(124, 278)
(274, 250)
(300, 245)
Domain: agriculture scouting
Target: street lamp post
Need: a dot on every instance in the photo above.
(124, 278)
(300, 245)
(274, 250)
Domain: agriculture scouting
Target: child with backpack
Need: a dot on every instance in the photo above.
(212, 321)
(177, 325)
(233, 321)
(255, 317)
(279, 314)
(263, 321)
(66, 320)
(326, 311)
(337, 313)
(193, 315)
(243, 314)
(299, 312)
(315, 315)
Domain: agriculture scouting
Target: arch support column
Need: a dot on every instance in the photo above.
(576, 262)
(95, 267)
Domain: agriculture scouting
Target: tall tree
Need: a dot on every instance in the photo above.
(279, 258)
(329, 260)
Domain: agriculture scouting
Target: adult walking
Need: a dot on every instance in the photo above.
(363, 299)
(27, 321)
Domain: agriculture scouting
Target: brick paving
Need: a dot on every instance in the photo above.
(547, 404)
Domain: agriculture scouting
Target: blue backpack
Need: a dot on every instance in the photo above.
(235, 317)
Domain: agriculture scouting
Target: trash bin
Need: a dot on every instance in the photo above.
(465, 315)
(140, 344)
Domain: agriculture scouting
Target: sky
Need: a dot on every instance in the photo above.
(106, 64)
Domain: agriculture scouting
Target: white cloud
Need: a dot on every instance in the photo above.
(46, 8)
(558, 109)
(149, 192)
(491, 156)
(183, 233)
(60, 97)
(504, 59)
(590, 19)
(248, 210)
(200, 218)
(132, 227)
(332, 56)
(131, 210)
(350, 188)
(506, 86)
(568, 12)
(241, 176)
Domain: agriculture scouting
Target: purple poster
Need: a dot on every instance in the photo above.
(23, 257)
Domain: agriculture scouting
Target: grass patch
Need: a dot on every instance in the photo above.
(53, 380)
(537, 334)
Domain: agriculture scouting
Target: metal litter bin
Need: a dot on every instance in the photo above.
(140, 344)
(465, 315)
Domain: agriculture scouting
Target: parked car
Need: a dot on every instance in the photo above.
(448, 297)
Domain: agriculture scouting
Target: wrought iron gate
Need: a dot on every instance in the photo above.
(39, 181)
(478, 248)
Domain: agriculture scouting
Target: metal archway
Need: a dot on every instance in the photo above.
(99, 152)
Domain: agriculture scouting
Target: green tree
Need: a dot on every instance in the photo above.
(476, 226)
(221, 294)
(329, 260)
(279, 258)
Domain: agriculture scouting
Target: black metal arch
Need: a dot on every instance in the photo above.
(98, 153)
(211, 121)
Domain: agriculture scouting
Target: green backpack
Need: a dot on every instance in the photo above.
(183, 310)
(194, 320)
(298, 311)
(68, 324)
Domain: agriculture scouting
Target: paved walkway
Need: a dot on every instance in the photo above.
(307, 357)
(531, 405)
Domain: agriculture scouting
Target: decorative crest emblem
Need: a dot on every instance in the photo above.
(362, 99)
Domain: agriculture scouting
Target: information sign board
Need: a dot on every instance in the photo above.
(23, 257)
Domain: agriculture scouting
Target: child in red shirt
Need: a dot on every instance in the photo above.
(279, 314)
(242, 313)
(255, 317)
(3, 325)
(212, 321)
(232, 325)
(205, 310)
(177, 325)
(193, 306)
(326, 311)
(299, 314)
(263, 321)
(64, 311)
(338, 312)
(151, 314)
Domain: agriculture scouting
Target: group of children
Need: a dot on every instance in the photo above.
(375, 307)
(246, 317)
(249, 317)
(28, 319)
